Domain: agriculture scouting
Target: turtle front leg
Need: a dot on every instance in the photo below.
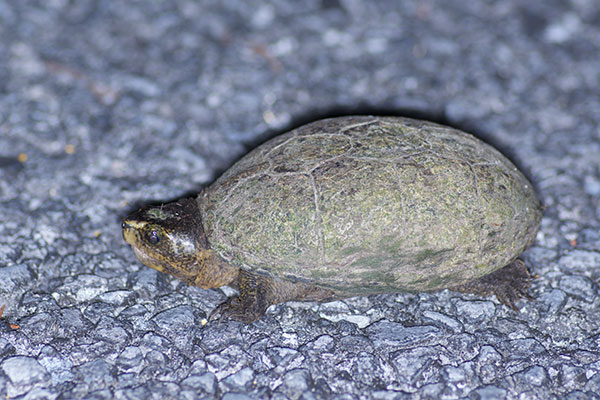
(509, 284)
(252, 301)
(258, 292)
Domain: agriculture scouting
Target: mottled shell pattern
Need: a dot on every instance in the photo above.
(367, 205)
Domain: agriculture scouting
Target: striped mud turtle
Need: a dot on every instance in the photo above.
(349, 206)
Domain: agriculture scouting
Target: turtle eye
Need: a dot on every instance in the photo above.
(153, 237)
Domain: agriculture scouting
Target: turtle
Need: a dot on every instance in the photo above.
(349, 206)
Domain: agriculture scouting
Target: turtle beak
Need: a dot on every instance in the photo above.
(130, 227)
(127, 231)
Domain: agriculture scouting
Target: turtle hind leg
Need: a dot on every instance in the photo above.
(258, 292)
(509, 284)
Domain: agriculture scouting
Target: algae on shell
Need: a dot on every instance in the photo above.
(370, 204)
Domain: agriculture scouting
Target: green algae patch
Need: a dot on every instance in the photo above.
(428, 254)
(391, 244)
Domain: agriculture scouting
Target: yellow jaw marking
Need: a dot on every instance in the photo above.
(147, 260)
(130, 236)
(136, 224)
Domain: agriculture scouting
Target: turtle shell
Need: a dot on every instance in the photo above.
(368, 205)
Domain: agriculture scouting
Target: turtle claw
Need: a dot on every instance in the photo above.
(229, 309)
(508, 284)
(234, 309)
(219, 312)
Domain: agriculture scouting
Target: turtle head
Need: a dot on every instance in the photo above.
(169, 238)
